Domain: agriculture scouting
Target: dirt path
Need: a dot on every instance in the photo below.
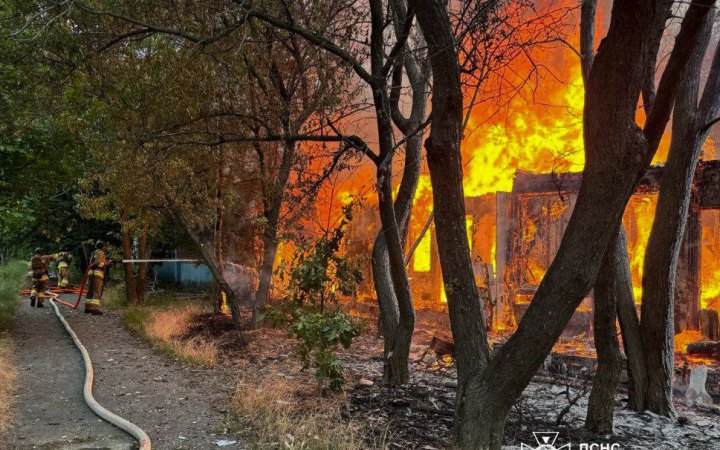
(178, 406)
(49, 411)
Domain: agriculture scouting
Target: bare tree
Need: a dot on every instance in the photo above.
(416, 67)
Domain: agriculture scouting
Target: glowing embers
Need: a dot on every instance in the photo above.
(710, 260)
(638, 220)
(541, 220)
(422, 208)
(423, 254)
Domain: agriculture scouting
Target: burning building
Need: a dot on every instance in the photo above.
(514, 235)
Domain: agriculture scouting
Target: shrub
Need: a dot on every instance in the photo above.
(320, 334)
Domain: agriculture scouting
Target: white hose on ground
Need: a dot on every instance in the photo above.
(130, 428)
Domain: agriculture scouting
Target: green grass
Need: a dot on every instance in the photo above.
(12, 278)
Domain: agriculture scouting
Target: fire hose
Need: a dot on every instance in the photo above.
(110, 417)
(130, 428)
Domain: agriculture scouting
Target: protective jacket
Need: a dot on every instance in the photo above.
(39, 266)
(63, 260)
(96, 279)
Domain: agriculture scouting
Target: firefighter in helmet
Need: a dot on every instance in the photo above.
(63, 266)
(39, 267)
(96, 278)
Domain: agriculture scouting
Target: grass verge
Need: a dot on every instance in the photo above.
(165, 324)
(11, 278)
(276, 413)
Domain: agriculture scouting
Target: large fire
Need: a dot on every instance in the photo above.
(538, 130)
(709, 261)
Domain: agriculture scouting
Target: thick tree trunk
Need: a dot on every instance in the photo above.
(267, 264)
(130, 281)
(657, 325)
(663, 250)
(444, 161)
(607, 376)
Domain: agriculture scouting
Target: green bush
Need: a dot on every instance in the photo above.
(320, 334)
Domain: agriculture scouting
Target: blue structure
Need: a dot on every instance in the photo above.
(188, 274)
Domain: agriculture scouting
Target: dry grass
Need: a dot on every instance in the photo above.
(7, 382)
(274, 415)
(166, 328)
(12, 276)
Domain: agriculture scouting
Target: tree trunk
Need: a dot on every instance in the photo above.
(382, 278)
(267, 265)
(215, 268)
(663, 250)
(444, 161)
(417, 75)
(218, 235)
(609, 285)
(130, 282)
(273, 193)
(397, 359)
(630, 326)
(143, 266)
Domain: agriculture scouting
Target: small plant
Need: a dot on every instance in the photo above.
(320, 334)
(279, 316)
(316, 276)
(318, 272)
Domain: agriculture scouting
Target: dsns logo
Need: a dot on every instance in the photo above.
(545, 441)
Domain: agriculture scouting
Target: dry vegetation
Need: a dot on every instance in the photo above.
(276, 404)
(167, 328)
(11, 276)
(277, 413)
(7, 382)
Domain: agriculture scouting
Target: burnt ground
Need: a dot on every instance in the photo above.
(419, 416)
(179, 406)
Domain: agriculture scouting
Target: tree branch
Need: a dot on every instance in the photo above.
(685, 44)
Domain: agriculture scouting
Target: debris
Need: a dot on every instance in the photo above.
(703, 348)
(442, 346)
(224, 443)
(710, 324)
(696, 392)
(365, 382)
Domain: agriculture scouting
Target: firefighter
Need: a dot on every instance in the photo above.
(63, 266)
(96, 277)
(39, 267)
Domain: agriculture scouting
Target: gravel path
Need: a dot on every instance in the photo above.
(180, 407)
(49, 412)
